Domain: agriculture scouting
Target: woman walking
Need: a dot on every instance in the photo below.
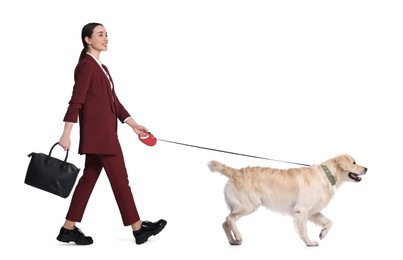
(95, 105)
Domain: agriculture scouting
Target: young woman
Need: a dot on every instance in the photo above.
(95, 104)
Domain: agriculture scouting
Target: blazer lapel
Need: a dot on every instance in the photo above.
(111, 89)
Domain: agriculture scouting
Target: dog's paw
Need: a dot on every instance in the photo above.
(323, 233)
(312, 243)
(235, 243)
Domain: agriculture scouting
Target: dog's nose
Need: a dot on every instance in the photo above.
(365, 170)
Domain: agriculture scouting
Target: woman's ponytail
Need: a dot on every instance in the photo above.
(82, 54)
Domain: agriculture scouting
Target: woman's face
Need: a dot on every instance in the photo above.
(99, 39)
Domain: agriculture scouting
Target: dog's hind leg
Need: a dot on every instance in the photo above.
(230, 227)
(322, 221)
(300, 221)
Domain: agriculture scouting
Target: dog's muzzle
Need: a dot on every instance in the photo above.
(355, 176)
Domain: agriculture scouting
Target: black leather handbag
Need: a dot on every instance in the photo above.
(51, 174)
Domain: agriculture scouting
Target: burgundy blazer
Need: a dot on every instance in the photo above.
(97, 107)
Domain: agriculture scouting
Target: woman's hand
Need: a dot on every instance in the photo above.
(138, 129)
(65, 142)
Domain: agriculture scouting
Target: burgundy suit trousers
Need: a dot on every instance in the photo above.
(115, 169)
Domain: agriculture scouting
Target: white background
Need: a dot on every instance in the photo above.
(299, 81)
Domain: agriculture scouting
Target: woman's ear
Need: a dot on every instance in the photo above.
(87, 40)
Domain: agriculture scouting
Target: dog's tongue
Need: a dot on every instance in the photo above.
(354, 177)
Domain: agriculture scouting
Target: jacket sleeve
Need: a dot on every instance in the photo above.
(82, 78)
(122, 113)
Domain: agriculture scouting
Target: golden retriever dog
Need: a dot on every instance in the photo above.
(301, 192)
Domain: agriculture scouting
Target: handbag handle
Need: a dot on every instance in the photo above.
(50, 152)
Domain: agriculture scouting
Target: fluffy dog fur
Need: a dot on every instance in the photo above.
(300, 192)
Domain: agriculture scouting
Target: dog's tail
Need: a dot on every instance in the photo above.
(222, 168)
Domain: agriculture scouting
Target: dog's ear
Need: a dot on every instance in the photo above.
(344, 162)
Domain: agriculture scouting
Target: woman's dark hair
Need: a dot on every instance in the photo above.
(87, 31)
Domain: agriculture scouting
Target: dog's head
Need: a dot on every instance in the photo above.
(344, 168)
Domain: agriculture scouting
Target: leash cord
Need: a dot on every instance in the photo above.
(222, 151)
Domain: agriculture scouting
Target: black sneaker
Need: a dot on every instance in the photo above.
(148, 229)
(75, 236)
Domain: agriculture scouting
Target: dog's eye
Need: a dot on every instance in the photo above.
(354, 162)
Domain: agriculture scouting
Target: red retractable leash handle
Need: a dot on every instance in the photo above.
(149, 139)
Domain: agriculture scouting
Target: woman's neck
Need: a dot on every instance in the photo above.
(94, 53)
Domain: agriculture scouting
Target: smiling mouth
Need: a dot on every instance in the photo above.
(354, 176)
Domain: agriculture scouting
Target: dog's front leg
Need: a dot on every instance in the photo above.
(323, 222)
(300, 222)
